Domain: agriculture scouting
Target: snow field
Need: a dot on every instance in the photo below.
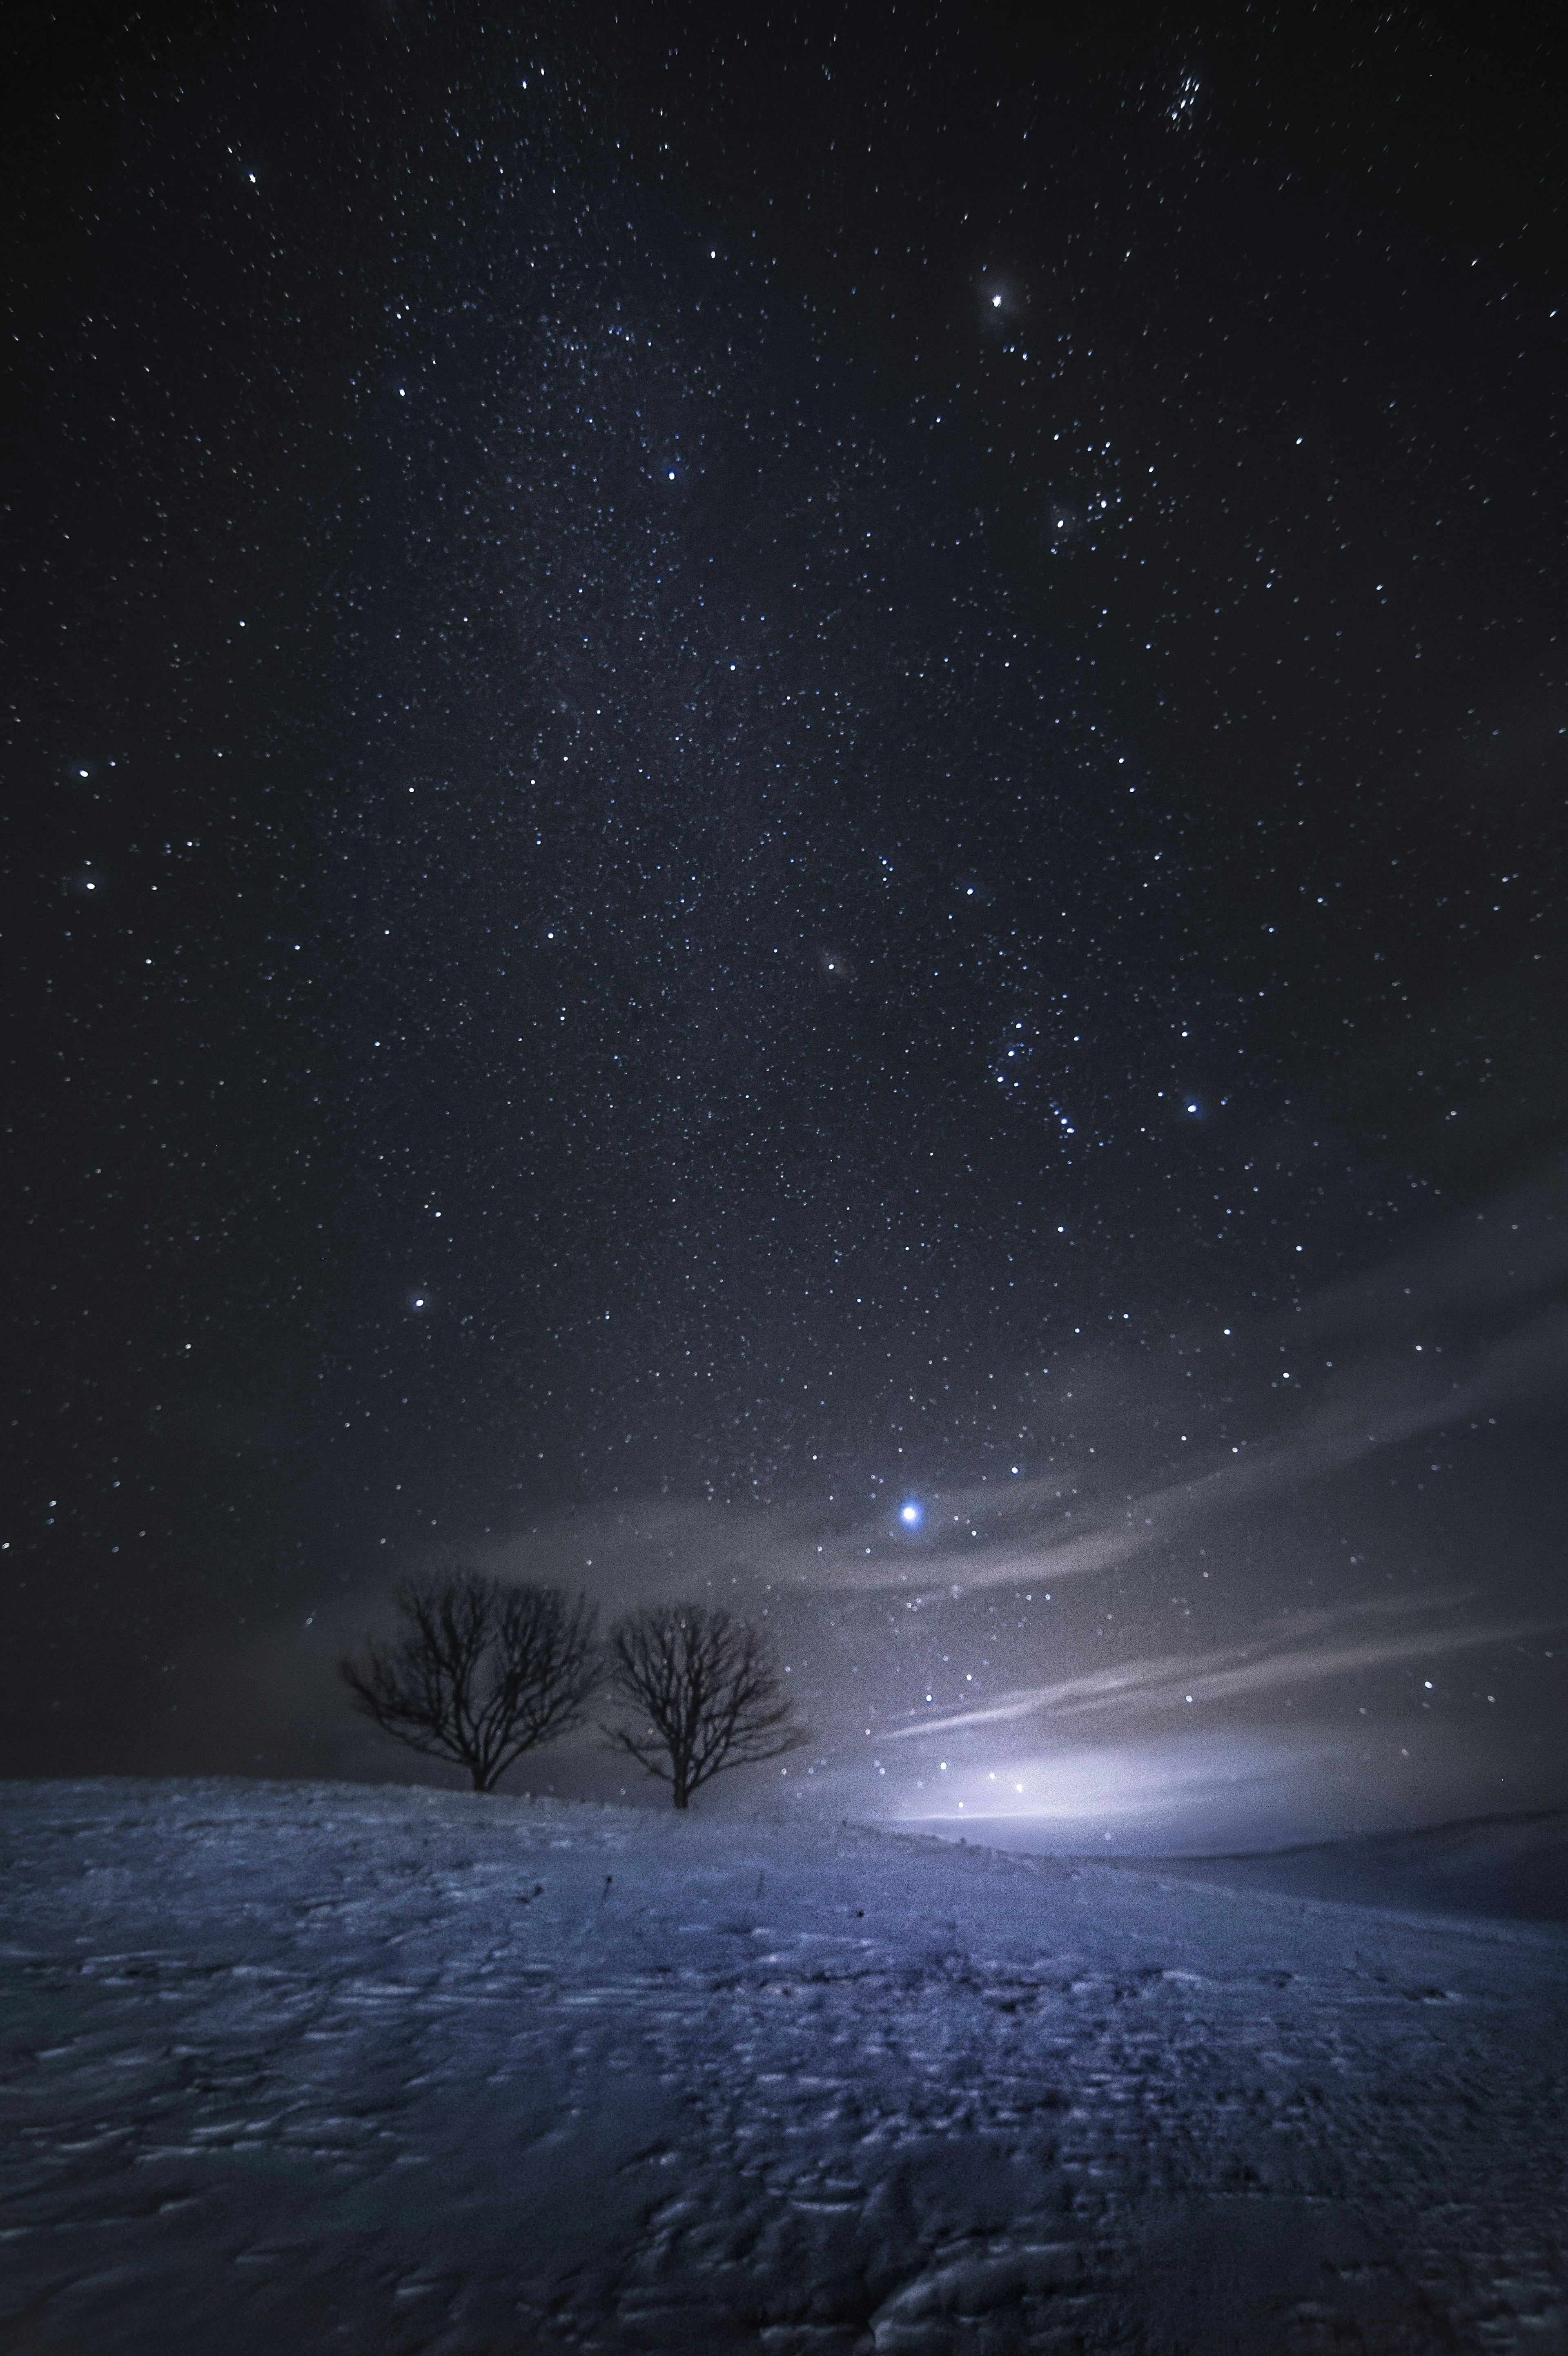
(397, 2071)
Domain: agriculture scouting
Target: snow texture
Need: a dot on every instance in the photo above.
(300, 2067)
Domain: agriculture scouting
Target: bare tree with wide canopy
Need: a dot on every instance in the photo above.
(483, 1670)
(705, 1693)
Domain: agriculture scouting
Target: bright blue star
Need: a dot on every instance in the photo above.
(911, 1515)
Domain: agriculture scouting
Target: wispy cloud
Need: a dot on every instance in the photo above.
(1094, 1534)
(1456, 1333)
(1242, 1669)
(1029, 1535)
(1473, 1271)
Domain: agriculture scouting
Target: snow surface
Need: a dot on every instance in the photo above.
(295, 2067)
(1507, 1866)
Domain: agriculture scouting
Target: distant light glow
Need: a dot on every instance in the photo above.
(911, 1514)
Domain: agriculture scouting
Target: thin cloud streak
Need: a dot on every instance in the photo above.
(1330, 1440)
(1056, 1527)
(1220, 1676)
(1476, 1267)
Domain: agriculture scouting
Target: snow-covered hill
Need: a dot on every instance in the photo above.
(1509, 1868)
(293, 2068)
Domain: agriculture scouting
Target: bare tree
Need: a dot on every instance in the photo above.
(704, 1691)
(481, 1672)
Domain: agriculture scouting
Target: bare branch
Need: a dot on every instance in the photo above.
(481, 1673)
(705, 1694)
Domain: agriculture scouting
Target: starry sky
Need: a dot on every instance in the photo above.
(785, 820)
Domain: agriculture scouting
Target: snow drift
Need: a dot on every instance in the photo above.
(293, 2068)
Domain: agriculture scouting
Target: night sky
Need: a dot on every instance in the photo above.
(783, 819)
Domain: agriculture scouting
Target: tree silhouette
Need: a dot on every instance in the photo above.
(705, 1695)
(483, 1670)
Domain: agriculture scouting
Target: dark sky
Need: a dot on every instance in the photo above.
(761, 768)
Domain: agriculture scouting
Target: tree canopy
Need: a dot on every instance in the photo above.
(482, 1671)
(703, 1693)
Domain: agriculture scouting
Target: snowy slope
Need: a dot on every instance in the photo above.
(293, 2068)
(1510, 1868)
